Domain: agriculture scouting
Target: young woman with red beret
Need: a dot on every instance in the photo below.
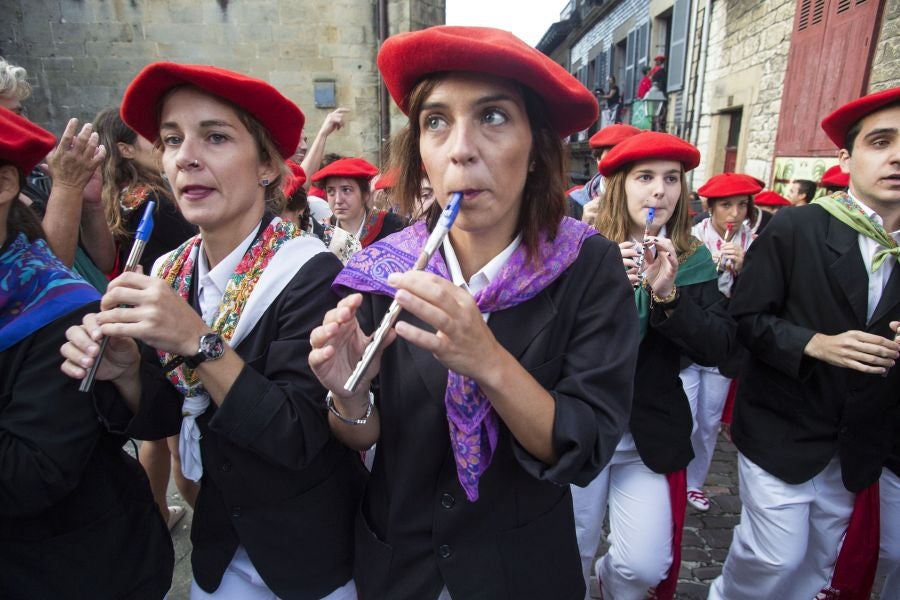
(77, 519)
(727, 235)
(677, 300)
(346, 182)
(223, 326)
(509, 373)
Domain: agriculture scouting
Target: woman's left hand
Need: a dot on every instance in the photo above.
(660, 270)
(732, 256)
(153, 313)
(463, 342)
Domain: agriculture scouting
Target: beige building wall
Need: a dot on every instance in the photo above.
(886, 62)
(746, 61)
(81, 54)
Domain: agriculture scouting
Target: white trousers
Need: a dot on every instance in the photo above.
(707, 391)
(789, 536)
(241, 581)
(640, 523)
(889, 555)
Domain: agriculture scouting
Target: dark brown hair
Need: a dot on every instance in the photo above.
(119, 172)
(544, 196)
(614, 222)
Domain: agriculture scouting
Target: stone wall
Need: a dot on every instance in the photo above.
(886, 62)
(749, 41)
(81, 54)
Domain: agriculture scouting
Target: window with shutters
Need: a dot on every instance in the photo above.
(828, 65)
(636, 57)
(681, 16)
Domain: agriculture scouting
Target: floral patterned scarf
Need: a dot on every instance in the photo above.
(473, 424)
(177, 269)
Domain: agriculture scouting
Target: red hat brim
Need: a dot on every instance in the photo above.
(769, 198)
(724, 185)
(407, 58)
(281, 117)
(649, 145)
(356, 168)
(835, 177)
(838, 123)
(387, 180)
(22, 143)
(295, 181)
(611, 135)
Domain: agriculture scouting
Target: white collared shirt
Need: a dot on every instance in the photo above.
(485, 275)
(868, 247)
(211, 283)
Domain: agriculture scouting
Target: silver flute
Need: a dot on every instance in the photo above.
(137, 250)
(445, 222)
(720, 264)
(639, 259)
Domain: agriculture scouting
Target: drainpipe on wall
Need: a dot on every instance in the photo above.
(701, 76)
(384, 106)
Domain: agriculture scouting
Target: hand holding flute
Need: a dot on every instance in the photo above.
(137, 251)
(723, 262)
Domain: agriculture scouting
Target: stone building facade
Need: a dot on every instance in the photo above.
(731, 99)
(81, 54)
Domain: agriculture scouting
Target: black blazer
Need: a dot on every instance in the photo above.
(804, 275)
(77, 519)
(274, 479)
(417, 531)
(661, 421)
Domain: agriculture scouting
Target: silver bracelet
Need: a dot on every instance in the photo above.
(329, 402)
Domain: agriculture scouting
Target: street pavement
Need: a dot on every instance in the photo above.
(705, 544)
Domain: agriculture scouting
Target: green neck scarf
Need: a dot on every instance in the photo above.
(694, 266)
(843, 208)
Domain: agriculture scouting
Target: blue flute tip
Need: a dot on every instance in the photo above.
(650, 213)
(146, 224)
(451, 210)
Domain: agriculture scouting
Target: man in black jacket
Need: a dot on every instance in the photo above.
(817, 306)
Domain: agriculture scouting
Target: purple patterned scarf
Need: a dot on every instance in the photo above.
(473, 423)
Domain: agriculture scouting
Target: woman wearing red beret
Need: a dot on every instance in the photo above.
(346, 182)
(77, 519)
(677, 300)
(510, 372)
(727, 235)
(212, 344)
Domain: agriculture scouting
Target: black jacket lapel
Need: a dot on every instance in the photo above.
(516, 327)
(890, 297)
(849, 269)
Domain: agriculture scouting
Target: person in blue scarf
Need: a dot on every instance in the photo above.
(76, 515)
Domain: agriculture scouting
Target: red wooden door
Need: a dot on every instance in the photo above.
(831, 51)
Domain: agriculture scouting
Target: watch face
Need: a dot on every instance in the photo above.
(212, 346)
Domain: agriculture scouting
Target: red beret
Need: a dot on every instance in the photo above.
(140, 105)
(649, 145)
(834, 177)
(840, 121)
(407, 58)
(731, 184)
(660, 58)
(387, 180)
(768, 198)
(317, 192)
(296, 179)
(22, 143)
(347, 167)
(611, 135)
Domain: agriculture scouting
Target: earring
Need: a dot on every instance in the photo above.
(264, 182)
(531, 167)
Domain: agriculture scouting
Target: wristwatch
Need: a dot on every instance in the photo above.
(212, 346)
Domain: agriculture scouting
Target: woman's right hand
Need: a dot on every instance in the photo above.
(629, 253)
(82, 346)
(337, 346)
(590, 212)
